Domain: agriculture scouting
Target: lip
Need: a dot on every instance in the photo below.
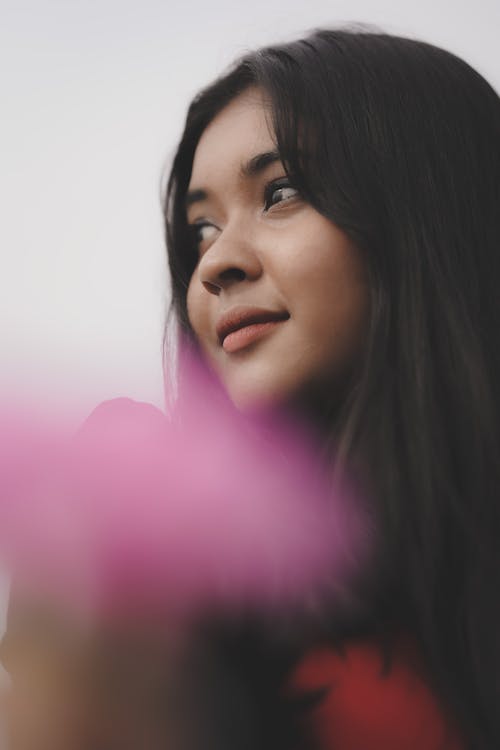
(240, 317)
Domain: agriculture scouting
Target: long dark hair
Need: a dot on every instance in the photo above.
(398, 143)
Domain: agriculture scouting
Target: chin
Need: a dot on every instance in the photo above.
(263, 392)
(311, 400)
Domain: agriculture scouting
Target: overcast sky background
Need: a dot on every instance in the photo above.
(94, 93)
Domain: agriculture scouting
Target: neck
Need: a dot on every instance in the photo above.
(320, 408)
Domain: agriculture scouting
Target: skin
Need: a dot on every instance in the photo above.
(283, 256)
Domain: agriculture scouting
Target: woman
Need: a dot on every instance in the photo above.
(332, 220)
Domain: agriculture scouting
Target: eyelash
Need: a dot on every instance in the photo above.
(269, 190)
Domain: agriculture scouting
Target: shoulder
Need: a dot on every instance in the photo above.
(369, 704)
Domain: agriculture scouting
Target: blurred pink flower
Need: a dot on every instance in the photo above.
(139, 512)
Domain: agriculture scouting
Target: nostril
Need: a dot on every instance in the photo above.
(222, 278)
(212, 288)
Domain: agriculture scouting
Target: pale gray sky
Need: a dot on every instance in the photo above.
(94, 93)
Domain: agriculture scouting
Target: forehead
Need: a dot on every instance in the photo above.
(242, 129)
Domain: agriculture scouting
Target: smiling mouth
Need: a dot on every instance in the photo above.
(249, 334)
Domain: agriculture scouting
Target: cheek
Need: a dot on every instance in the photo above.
(330, 291)
(341, 296)
(196, 310)
(198, 305)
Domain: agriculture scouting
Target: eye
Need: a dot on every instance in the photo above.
(201, 231)
(279, 191)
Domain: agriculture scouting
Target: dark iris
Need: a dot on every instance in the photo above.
(273, 188)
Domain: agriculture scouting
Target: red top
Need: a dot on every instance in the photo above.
(368, 707)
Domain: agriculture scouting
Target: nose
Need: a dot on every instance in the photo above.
(230, 259)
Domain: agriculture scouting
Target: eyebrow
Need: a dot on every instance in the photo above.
(251, 168)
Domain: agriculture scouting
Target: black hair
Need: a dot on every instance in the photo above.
(397, 142)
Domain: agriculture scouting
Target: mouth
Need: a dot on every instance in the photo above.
(242, 326)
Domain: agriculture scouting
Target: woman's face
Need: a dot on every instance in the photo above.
(270, 265)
